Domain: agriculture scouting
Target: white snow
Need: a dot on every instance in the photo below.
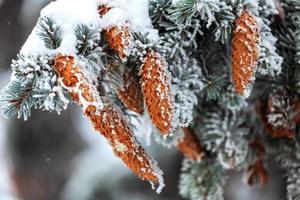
(68, 14)
(137, 12)
(143, 129)
(269, 62)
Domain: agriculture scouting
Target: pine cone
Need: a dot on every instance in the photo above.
(118, 38)
(244, 51)
(257, 171)
(106, 119)
(155, 82)
(189, 146)
(280, 114)
(131, 94)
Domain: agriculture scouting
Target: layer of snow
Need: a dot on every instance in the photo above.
(68, 14)
(143, 129)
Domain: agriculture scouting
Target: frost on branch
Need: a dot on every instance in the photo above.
(186, 82)
(49, 32)
(223, 133)
(201, 181)
(292, 9)
(293, 184)
(88, 39)
(269, 62)
(34, 84)
(184, 103)
(211, 12)
(289, 158)
(233, 101)
(268, 7)
(187, 74)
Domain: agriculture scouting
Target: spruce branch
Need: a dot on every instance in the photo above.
(87, 39)
(216, 13)
(37, 72)
(183, 11)
(49, 32)
(201, 181)
(293, 184)
(16, 99)
(213, 88)
(293, 12)
(159, 10)
(224, 132)
(269, 62)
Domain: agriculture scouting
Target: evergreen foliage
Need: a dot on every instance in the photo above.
(49, 32)
(201, 181)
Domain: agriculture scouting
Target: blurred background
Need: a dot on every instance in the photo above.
(53, 157)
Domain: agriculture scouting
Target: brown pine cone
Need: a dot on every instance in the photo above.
(118, 38)
(244, 51)
(257, 172)
(280, 114)
(156, 88)
(189, 146)
(131, 94)
(106, 119)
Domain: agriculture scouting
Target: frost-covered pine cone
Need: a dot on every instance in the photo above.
(155, 81)
(190, 146)
(118, 37)
(280, 115)
(244, 52)
(257, 171)
(131, 94)
(106, 119)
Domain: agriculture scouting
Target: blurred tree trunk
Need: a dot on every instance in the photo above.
(43, 147)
